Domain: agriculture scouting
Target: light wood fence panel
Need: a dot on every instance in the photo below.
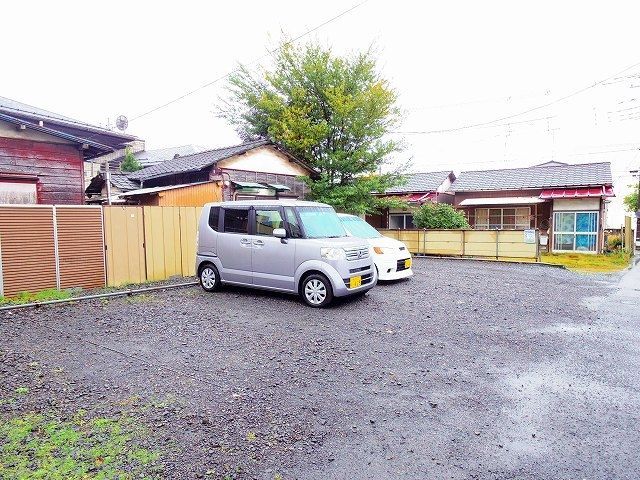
(162, 242)
(124, 243)
(497, 244)
(189, 217)
(80, 247)
(27, 249)
(444, 242)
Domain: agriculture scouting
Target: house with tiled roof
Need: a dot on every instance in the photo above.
(96, 190)
(252, 169)
(417, 189)
(566, 202)
(42, 154)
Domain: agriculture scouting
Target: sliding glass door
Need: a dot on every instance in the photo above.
(575, 231)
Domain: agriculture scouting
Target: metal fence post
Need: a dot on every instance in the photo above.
(464, 242)
(55, 246)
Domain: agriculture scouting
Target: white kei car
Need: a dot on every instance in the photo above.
(391, 257)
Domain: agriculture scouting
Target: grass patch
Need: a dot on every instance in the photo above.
(42, 296)
(44, 446)
(587, 263)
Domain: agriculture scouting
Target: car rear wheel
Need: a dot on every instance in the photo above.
(209, 278)
(316, 290)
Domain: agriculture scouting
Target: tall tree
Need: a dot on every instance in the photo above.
(631, 202)
(130, 163)
(333, 112)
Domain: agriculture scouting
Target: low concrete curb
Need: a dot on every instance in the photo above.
(473, 259)
(121, 293)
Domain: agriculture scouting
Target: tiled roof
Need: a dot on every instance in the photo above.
(24, 110)
(195, 162)
(123, 183)
(422, 182)
(542, 176)
(148, 158)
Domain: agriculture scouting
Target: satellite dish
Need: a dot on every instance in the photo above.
(122, 123)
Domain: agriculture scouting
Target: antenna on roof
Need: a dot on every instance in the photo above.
(122, 123)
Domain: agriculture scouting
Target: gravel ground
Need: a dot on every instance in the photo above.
(468, 370)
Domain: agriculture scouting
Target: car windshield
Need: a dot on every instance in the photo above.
(321, 222)
(359, 228)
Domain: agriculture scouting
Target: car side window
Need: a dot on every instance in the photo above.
(236, 220)
(292, 223)
(267, 220)
(214, 217)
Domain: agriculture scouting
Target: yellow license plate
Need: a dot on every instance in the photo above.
(407, 263)
(355, 282)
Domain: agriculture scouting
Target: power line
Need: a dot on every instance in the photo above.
(257, 60)
(485, 126)
(539, 107)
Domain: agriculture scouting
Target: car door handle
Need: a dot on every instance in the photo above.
(258, 243)
(245, 241)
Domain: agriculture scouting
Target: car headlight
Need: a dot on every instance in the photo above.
(381, 250)
(332, 253)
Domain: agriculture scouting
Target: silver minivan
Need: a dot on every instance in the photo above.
(283, 245)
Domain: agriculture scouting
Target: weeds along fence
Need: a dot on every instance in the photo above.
(44, 247)
(518, 245)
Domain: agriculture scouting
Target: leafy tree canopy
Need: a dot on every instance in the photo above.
(333, 112)
(631, 200)
(439, 215)
(130, 163)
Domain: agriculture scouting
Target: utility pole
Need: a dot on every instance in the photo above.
(107, 174)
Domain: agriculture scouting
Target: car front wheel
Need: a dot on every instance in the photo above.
(209, 278)
(316, 291)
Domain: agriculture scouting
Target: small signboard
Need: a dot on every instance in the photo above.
(530, 236)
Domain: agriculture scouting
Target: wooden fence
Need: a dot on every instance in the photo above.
(43, 247)
(494, 244)
(628, 243)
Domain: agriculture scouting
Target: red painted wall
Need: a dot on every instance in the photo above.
(58, 167)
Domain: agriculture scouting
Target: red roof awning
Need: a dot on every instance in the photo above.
(605, 191)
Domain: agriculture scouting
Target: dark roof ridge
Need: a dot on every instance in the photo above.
(536, 166)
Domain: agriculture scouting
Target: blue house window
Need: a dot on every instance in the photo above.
(575, 231)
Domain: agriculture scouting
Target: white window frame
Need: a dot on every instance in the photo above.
(502, 209)
(574, 232)
(404, 220)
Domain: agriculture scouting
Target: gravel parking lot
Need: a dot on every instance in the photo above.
(468, 370)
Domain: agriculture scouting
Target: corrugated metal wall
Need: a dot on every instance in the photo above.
(27, 249)
(192, 196)
(80, 247)
(43, 247)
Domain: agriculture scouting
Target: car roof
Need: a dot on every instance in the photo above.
(264, 203)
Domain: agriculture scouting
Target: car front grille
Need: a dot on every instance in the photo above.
(401, 265)
(359, 269)
(366, 278)
(357, 253)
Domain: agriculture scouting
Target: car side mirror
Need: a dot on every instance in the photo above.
(279, 233)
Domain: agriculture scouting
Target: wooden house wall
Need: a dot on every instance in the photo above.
(59, 168)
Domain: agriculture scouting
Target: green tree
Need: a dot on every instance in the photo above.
(439, 215)
(333, 112)
(631, 200)
(130, 163)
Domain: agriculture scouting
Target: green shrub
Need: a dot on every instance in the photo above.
(439, 215)
(614, 242)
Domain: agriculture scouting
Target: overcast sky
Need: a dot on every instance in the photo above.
(453, 63)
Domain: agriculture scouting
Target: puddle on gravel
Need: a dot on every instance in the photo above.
(578, 328)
